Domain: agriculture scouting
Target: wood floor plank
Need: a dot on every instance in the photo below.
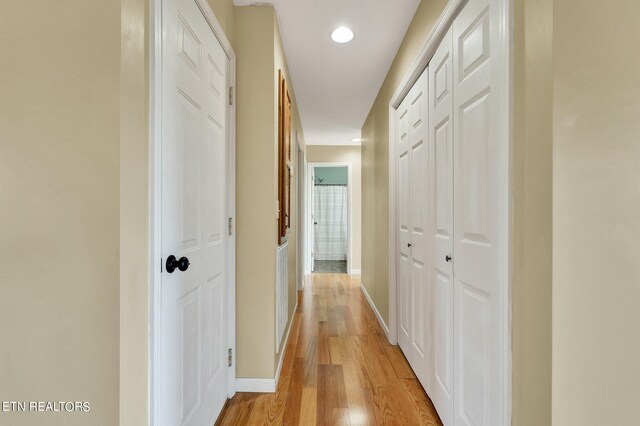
(339, 368)
(332, 322)
(425, 410)
(350, 327)
(238, 410)
(289, 357)
(260, 410)
(335, 350)
(294, 398)
(324, 356)
(311, 366)
(276, 409)
(358, 413)
(308, 406)
(399, 362)
(331, 393)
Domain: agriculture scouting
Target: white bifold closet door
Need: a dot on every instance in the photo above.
(441, 229)
(480, 220)
(413, 271)
(453, 221)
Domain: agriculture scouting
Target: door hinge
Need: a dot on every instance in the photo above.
(230, 357)
(230, 225)
(231, 95)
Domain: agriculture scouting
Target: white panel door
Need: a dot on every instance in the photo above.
(480, 215)
(404, 239)
(441, 182)
(413, 213)
(194, 336)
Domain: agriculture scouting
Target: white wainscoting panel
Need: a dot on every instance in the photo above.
(282, 291)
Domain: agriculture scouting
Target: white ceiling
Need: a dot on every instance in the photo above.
(336, 84)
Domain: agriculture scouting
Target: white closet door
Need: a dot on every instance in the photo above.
(419, 213)
(404, 239)
(193, 359)
(480, 222)
(441, 156)
(413, 243)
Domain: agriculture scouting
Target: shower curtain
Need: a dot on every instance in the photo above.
(330, 240)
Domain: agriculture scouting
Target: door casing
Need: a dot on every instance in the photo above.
(155, 144)
(310, 235)
(301, 213)
(505, 68)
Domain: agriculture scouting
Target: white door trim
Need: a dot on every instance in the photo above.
(416, 68)
(155, 133)
(310, 227)
(301, 214)
(308, 238)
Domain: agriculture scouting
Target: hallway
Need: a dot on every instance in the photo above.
(338, 368)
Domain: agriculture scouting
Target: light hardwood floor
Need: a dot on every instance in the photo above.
(339, 368)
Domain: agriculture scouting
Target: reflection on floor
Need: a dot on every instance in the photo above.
(338, 368)
(335, 266)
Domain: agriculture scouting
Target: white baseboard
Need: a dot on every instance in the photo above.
(375, 310)
(356, 271)
(256, 385)
(267, 385)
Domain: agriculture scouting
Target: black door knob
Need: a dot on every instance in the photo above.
(173, 263)
(447, 258)
(408, 244)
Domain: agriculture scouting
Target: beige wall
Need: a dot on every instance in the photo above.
(59, 221)
(225, 12)
(134, 214)
(349, 154)
(260, 56)
(596, 213)
(375, 162)
(532, 152)
(256, 188)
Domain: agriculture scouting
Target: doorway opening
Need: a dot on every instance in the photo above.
(331, 218)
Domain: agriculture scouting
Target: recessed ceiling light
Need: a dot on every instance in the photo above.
(356, 140)
(342, 35)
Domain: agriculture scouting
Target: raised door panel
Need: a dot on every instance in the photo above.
(189, 320)
(213, 161)
(441, 230)
(187, 149)
(214, 331)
